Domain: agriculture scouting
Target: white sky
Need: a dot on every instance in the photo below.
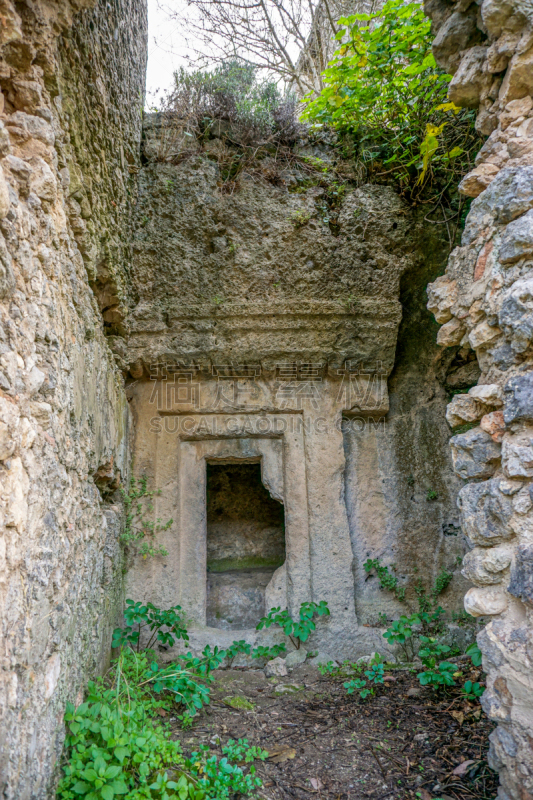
(164, 46)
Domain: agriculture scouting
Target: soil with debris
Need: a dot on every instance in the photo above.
(405, 742)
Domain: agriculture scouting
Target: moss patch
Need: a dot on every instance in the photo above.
(239, 702)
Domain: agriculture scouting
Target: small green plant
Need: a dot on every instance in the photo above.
(154, 618)
(386, 579)
(241, 751)
(401, 633)
(328, 669)
(236, 648)
(269, 653)
(432, 494)
(431, 651)
(472, 691)
(300, 218)
(437, 673)
(409, 632)
(427, 601)
(211, 659)
(298, 631)
(137, 526)
(442, 581)
(475, 654)
(374, 676)
(440, 675)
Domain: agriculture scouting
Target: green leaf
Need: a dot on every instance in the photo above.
(80, 787)
(119, 787)
(107, 792)
(112, 772)
(121, 753)
(455, 151)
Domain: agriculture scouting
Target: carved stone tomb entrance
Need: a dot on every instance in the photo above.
(245, 543)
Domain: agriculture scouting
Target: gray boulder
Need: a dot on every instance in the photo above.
(519, 398)
(277, 668)
(517, 241)
(485, 513)
(475, 454)
(296, 657)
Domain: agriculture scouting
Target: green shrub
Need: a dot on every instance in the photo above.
(383, 86)
(374, 676)
(114, 748)
(439, 675)
(138, 527)
(297, 631)
(269, 653)
(135, 614)
(232, 92)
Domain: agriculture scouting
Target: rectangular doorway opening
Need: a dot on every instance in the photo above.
(245, 544)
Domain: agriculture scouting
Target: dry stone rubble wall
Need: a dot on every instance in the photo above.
(69, 141)
(485, 302)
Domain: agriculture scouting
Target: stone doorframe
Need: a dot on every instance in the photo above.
(283, 472)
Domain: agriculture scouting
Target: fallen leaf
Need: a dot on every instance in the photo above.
(458, 715)
(463, 768)
(161, 712)
(281, 754)
(477, 713)
(316, 783)
(389, 678)
(425, 795)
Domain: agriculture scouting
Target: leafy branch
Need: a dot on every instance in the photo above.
(137, 526)
(384, 91)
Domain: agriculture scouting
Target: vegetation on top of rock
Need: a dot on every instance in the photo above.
(384, 91)
(255, 109)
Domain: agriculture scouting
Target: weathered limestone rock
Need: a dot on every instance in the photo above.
(475, 454)
(276, 668)
(477, 180)
(69, 102)
(517, 241)
(464, 408)
(496, 513)
(484, 566)
(296, 657)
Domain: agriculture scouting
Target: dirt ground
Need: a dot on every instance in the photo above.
(406, 742)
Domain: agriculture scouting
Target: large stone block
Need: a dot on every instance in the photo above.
(474, 454)
(485, 513)
(521, 584)
(495, 14)
(516, 314)
(453, 37)
(508, 196)
(519, 398)
(517, 454)
(486, 565)
(517, 240)
(470, 80)
(464, 408)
